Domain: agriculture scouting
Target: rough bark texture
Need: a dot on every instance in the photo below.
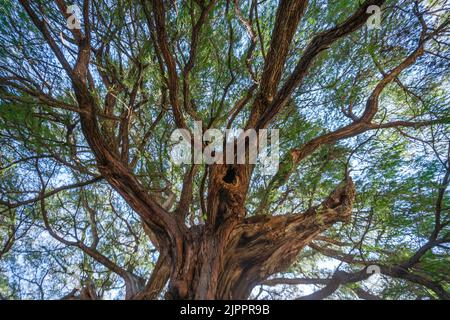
(226, 260)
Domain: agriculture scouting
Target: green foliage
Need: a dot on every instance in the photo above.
(398, 172)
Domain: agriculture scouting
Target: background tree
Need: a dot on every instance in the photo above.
(91, 205)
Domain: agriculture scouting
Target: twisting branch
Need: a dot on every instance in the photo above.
(289, 13)
(159, 14)
(319, 43)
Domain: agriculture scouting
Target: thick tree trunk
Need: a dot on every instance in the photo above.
(227, 260)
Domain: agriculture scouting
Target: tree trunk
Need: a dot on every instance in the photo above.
(229, 255)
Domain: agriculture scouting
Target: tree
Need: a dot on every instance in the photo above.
(91, 201)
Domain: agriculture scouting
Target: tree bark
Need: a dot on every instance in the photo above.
(227, 260)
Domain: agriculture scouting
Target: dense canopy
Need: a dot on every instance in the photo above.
(92, 205)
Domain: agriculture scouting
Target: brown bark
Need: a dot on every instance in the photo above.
(226, 260)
